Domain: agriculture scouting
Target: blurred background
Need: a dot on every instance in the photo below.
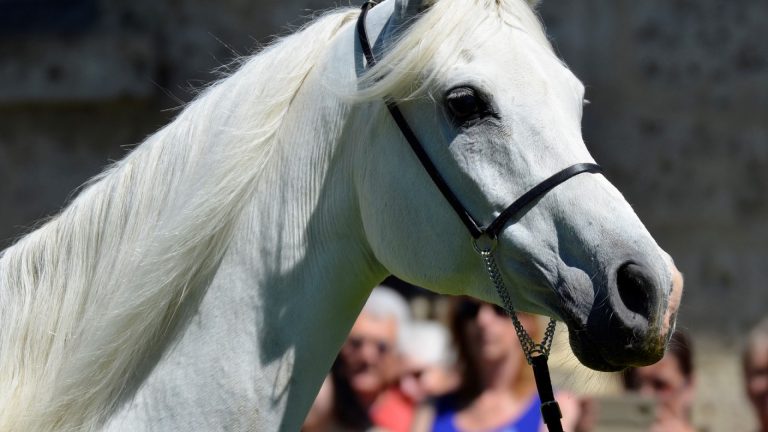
(678, 118)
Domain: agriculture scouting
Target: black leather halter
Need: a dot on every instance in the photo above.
(477, 230)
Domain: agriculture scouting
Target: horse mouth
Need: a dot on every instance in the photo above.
(589, 355)
(613, 350)
(594, 355)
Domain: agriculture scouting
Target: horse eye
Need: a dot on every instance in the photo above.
(464, 104)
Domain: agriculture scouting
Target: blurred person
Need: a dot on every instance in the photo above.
(336, 407)
(670, 381)
(349, 412)
(755, 362)
(369, 360)
(320, 417)
(428, 362)
(497, 390)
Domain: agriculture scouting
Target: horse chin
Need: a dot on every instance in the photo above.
(592, 352)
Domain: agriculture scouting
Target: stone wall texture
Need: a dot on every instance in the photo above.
(678, 117)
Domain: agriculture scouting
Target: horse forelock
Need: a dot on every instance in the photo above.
(433, 42)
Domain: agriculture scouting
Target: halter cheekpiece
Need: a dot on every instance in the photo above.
(485, 238)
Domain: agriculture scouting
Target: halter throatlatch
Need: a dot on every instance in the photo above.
(485, 238)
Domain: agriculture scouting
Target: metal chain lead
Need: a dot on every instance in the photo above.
(530, 348)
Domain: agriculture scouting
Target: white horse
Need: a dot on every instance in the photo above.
(206, 281)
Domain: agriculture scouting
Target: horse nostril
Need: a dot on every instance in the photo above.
(635, 288)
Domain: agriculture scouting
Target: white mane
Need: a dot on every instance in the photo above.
(88, 294)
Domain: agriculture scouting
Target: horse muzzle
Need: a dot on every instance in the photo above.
(631, 319)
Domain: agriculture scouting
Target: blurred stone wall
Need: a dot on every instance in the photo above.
(678, 117)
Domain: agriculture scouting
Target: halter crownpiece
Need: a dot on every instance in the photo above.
(485, 238)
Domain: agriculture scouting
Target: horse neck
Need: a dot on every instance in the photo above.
(86, 292)
(295, 275)
(311, 265)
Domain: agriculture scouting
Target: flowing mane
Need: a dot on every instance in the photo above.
(90, 293)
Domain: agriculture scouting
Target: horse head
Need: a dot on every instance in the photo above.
(497, 112)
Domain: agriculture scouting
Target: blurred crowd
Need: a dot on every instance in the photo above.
(469, 373)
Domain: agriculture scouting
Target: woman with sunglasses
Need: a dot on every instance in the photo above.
(497, 391)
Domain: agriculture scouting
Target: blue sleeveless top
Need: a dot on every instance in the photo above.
(528, 421)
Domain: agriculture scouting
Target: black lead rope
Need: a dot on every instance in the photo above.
(536, 354)
(550, 410)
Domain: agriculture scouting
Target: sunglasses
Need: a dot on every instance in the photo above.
(469, 309)
(357, 343)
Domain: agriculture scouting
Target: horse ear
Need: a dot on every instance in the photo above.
(406, 10)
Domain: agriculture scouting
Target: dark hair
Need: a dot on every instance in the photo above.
(469, 386)
(681, 348)
(347, 408)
